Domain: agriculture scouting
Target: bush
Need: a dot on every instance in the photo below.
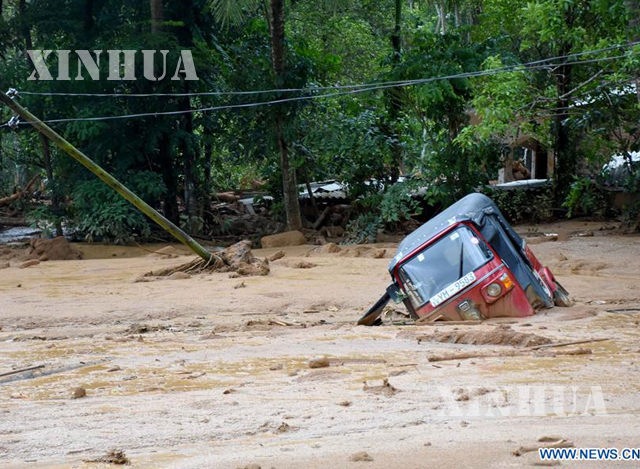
(397, 204)
(587, 197)
(101, 214)
(363, 229)
(518, 206)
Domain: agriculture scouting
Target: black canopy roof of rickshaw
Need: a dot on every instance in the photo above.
(484, 214)
(473, 207)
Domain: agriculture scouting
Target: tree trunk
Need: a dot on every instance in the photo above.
(443, 18)
(314, 205)
(206, 183)
(634, 35)
(55, 201)
(565, 155)
(170, 202)
(278, 58)
(88, 16)
(633, 7)
(46, 151)
(157, 15)
(188, 156)
(26, 31)
(394, 101)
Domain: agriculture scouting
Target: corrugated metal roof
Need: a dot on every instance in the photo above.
(324, 190)
(523, 184)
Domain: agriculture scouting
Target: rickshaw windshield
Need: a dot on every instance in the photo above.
(444, 267)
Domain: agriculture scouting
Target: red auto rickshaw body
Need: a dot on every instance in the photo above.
(468, 263)
(473, 299)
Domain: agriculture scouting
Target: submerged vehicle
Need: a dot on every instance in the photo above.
(467, 263)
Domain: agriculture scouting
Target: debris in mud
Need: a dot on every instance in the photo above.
(30, 263)
(56, 249)
(239, 285)
(361, 456)
(319, 362)
(112, 457)
(561, 443)
(251, 466)
(501, 335)
(329, 248)
(299, 264)
(505, 353)
(115, 368)
(229, 391)
(462, 394)
(265, 324)
(79, 392)
(585, 234)
(280, 240)
(237, 259)
(210, 336)
(284, 428)
(344, 403)
(548, 439)
(386, 388)
(138, 328)
(179, 276)
(276, 367)
(167, 252)
(363, 251)
(276, 256)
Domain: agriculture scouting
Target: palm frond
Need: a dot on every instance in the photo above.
(227, 12)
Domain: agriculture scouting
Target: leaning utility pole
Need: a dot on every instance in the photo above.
(107, 178)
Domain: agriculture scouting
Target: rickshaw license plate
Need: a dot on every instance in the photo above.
(452, 289)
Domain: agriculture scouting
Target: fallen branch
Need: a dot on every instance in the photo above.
(556, 444)
(469, 355)
(21, 371)
(318, 223)
(504, 353)
(564, 344)
(4, 221)
(19, 193)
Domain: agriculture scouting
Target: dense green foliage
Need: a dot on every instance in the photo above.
(177, 163)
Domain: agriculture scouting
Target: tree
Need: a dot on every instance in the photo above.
(278, 57)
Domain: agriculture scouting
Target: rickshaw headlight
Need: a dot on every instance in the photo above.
(494, 290)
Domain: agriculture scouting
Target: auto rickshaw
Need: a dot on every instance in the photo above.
(467, 263)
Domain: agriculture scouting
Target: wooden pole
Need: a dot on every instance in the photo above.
(107, 178)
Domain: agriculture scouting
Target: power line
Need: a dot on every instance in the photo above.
(312, 89)
(514, 68)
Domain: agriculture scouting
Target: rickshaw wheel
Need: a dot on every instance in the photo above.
(561, 297)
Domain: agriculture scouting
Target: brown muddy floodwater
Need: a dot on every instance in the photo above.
(195, 373)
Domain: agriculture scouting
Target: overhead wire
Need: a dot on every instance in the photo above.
(319, 88)
(526, 67)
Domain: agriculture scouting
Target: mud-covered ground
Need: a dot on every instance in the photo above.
(212, 372)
